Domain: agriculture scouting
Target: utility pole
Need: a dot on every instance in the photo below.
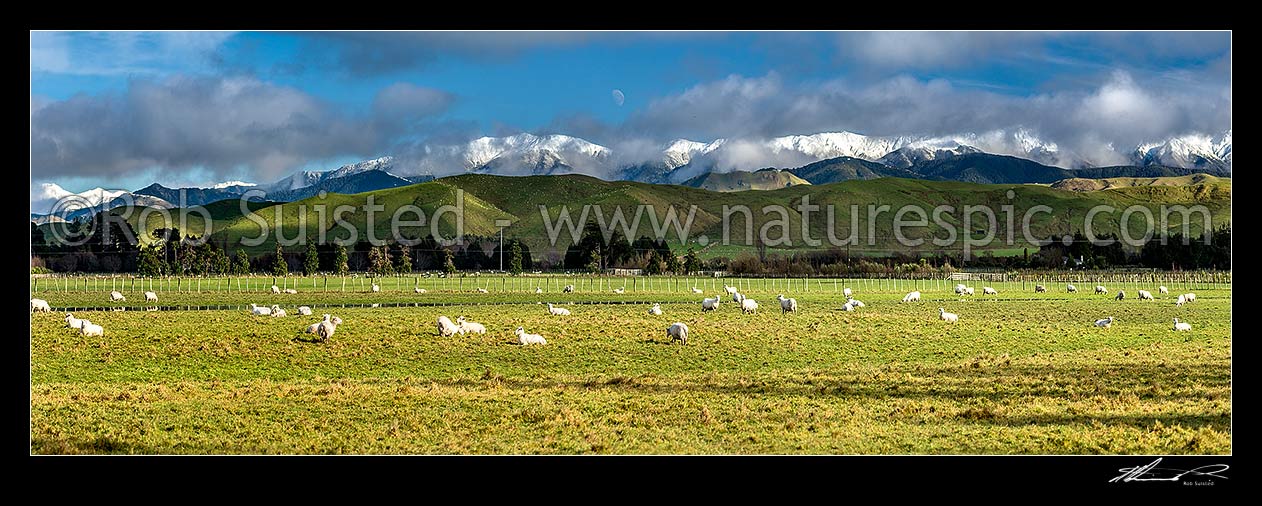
(501, 223)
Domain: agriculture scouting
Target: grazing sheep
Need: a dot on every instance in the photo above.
(1071, 289)
(315, 327)
(1163, 290)
(711, 304)
(737, 297)
(91, 329)
(115, 296)
(538, 290)
(1105, 323)
(260, 310)
(290, 291)
(1145, 295)
(1121, 294)
(986, 290)
(1191, 297)
(696, 290)
(39, 305)
(848, 306)
(1039, 288)
(960, 289)
(1181, 326)
(846, 292)
(968, 290)
(855, 302)
(559, 311)
(375, 288)
(912, 297)
(568, 289)
(678, 331)
(275, 289)
(1101, 289)
(619, 291)
(729, 289)
(524, 338)
(446, 327)
(73, 322)
(304, 310)
(468, 327)
(151, 297)
(277, 311)
(787, 305)
(947, 317)
(748, 305)
(656, 310)
(419, 290)
(1181, 300)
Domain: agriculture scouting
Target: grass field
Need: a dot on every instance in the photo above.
(1020, 373)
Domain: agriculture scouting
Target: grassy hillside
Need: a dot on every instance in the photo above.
(739, 180)
(519, 199)
(1084, 184)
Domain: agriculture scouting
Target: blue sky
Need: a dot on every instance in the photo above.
(124, 109)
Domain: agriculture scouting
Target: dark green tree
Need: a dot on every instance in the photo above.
(151, 263)
(593, 262)
(654, 263)
(673, 264)
(311, 263)
(691, 262)
(379, 261)
(449, 261)
(514, 258)
(279, 266)
(242, 265)
(403, 262)
(340, 260)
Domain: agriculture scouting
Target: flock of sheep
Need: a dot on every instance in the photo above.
(677, 331)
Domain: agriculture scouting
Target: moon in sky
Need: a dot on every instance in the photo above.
(618, 97)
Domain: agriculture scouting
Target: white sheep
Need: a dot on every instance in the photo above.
(912, 297)
(275, 289)
(748, 305)
(376, 288)
(468, 327)
(968, 290)
(696, 290)
(1104, 323)
(1145, 295)
(304, 310)
(947, 317)
(524, 338)
(73, 322)
(260, 310)
(737, 297)
(326, 328)
(678, 331)
(558, 311)
(1071, 289)
(1039, 288)
(290, 291)
(40, 305)
(151, 297)
(315, 327)
(711, 304)
(848, 306)
(855, 302)
(1191, 297)
(1163, 290)
(1121, 294)
(729, 289)
(1181, 326)
(960, 288)
(619, 291)
(446, 327)
(115, 296)
(846, 292)
(787, 305)
(568, 289)
(656, 310)
(1101, 289)
(538, 289)
(986, 290)
(1181, 300)
(483, 290)
(91, 329)
(419, 290)
(277, 311)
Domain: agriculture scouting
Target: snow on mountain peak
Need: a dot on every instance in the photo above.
(229, 184)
